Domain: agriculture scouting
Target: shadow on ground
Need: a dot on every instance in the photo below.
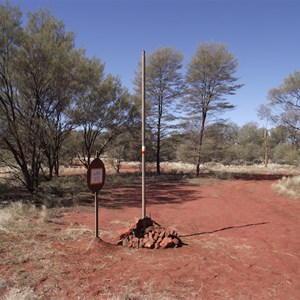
(121, 190)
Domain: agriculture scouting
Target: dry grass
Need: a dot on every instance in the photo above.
(20, 294)
(251, 169)
(288, 186)
(14, 218)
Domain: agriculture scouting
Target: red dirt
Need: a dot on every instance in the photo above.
(242, 242)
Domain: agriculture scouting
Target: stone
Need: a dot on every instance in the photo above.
(125, 242)
(135, 240)
(159, 240)
(162, 234)
(167, 242)
(141, 243)
(176, 242)
(125, 232)
(146, 233)
(149, 244)
(150, 235)
(142, 225)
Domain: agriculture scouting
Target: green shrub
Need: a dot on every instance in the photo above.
(286, 154)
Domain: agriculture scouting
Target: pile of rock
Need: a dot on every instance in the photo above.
(146, 233)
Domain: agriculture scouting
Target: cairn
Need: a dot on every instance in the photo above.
(146, 233)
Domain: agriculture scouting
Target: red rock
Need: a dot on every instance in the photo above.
(162, 234)
(159, 240)
(145, 233)
(149, 244)
(125, 233)
(167, 242)
(156, 236)
(141, 243)
(150, 235)
(176, 242)
(125, 242)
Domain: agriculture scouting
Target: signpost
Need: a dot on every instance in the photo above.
(143, 136)
(95, 182)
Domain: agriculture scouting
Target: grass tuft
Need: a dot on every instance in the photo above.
(288, 186)
(20, 294)
(17, 214)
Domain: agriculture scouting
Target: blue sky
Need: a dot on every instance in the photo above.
(264, 35)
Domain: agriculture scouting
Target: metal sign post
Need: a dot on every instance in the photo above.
(95, 182)
(143, 137)
(96, 215)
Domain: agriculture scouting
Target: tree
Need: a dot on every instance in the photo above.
(101, 110)
(20, 124)
(38, 82)
(220, 139)
(285, 102)
(249, 147)
(286, 154)
(49, 69)
(164, 85)
(210, 77)
(264, 113)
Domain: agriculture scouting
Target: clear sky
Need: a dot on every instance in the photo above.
(264, 35)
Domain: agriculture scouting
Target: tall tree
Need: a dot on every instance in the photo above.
(21, 125)
(164, 85)
(37, 85)
(49, 66)
(250, 144)
(101, 110)
(284, 107)
(264, 113)
(285, 102)
(210, 77)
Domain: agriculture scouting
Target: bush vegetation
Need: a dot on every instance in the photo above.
(288, 186)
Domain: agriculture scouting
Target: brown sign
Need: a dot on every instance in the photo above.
(96, 175)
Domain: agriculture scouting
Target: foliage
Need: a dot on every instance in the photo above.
(102, 110)
(164, 85)
(47, 88)
(286, 154)
(210, 77)
(56, 104)
(285, 100)
(37, 86)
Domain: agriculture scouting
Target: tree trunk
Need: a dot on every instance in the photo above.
(267, 150)
(158, 141)
(200, 144)
(56, 165)
(158, 157)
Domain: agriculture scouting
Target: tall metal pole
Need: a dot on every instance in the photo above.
(143, 138)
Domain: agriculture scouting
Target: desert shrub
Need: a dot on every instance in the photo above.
(288, 186)
(286, 154)
(248, 153)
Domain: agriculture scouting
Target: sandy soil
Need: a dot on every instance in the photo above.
(242, 242)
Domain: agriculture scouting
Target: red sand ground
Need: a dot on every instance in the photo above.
(242, 243)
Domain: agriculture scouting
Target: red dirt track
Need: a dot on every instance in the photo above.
(242, 242)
